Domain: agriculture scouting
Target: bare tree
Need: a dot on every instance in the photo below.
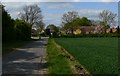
(68, 18)
(31, 14)
(108, 18)
(40, 26)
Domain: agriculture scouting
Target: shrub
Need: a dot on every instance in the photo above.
(92, 35)
(22, 30)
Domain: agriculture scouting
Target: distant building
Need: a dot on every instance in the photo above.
(86, 29)
(34, 32)
(114, 30)
(91, 29)
(109, 30)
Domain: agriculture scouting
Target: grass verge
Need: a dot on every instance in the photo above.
(58, 64)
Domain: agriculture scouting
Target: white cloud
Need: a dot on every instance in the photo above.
(59, 0)
(52, 18)
(14, 8)
(89, 13)
(56, 18)
(76, 0)
(60, 5)
(107, 0)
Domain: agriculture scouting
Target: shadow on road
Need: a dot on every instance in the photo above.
(26, 60)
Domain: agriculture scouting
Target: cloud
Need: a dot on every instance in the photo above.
(56, 18)
(76, 0)
(50, 18)
(107, 0)
(14, 8)
(60, 5)
(59, 0)
(89, 13)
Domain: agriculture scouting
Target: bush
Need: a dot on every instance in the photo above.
(7, 26)
(92, 35)
(22, 30)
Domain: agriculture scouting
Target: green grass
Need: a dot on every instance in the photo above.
(9, 46)
(58, 64)
(97, 55)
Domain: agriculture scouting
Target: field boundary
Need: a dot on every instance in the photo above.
(75, 65)
(57, 63)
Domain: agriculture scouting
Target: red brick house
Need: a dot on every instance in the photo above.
(113, 30)
(91, 29)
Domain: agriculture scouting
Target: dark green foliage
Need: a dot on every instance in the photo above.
(47, 32)
(7, 26)
(14, 30)
(118, 29)
(53, 29)
(91, 35)
(22, 30)
(84, 22)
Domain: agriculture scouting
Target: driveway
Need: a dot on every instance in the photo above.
(28, 60)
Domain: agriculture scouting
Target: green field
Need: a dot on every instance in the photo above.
(97, 55)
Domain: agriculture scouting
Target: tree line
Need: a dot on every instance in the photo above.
(20, 28)
(71, 21)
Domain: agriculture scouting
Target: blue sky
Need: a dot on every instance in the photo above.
(53, 11)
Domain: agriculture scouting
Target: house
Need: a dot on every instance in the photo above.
(77, 32)
(86, 29)
(98, 29)
(34, 32)
(108, 30)
(113, 30)
(91, 29)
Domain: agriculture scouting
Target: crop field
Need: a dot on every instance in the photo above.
(97, 55)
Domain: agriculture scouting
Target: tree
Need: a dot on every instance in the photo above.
(68, 18)
(118, 29)
(32, 15)
(53, 29)
(108, 18)
(40, 26)
(7, 26)
(47, 32)
(81, 22)
(84, 22)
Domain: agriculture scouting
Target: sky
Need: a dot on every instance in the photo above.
(52, 11)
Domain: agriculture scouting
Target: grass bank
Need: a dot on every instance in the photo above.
(57, 63)
(98, 55)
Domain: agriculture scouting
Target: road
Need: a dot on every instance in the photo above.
(28, 60)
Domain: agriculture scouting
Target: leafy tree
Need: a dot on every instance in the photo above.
(81, 22)
(47, 32)
(84, 22)
(53, 29)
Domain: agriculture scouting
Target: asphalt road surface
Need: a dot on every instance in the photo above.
(28, 60)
